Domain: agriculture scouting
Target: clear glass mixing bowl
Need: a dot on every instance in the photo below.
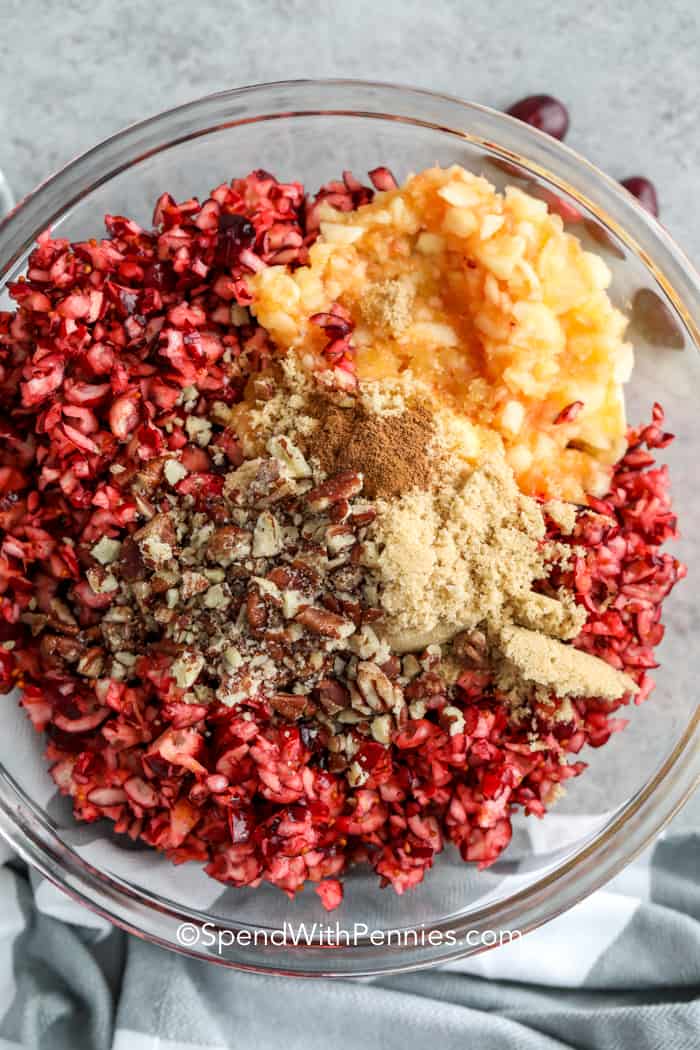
(310, 131)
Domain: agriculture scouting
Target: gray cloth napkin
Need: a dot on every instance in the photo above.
(620, 971)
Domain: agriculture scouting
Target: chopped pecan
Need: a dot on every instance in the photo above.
(292, 706)
(275, 644)
(91, 663)
(157, 539)
(228, 543)
(256, 610)
(101, 580)
(353, 610)
(306, 578)
(427, 686)
(471, 648)
(57, 650)
(323, 622)
(339, 538)
(35, 621)
(339, 487)
(118, 635)
(131, 565)
(61, 618)
(269, 484)
(363, 517)
(162, 581)
(381, 729)
(296, 577)
(339, 511)
(380, 693)
(347, 578)
(268, 538)
(193, 583)
(161, 527)
(391, 667)
(338, 762)
(282, 577)
(331, 695)
(451, 719)
(329, 601)
(151, 474)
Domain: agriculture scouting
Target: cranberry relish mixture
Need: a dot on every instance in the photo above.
(191, 626)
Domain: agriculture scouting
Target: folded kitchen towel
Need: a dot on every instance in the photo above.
(619, 971)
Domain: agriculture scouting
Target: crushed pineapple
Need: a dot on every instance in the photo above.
(485, 298)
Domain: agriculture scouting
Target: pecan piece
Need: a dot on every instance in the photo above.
(323, 622)
(157, 539)
(379, 692)
(331, 695)
(391, 667)
(338, 762)
(228, 543)
(428, 686)
(471, 648)
(363, 517)
(347, 578)
(339, 511)
(292, 706)
(339, 487)
(91, 663)
(354, 611)
(131, 564)
(256, 610)
(151, 474)
(61, 618)
(118, 635)
(269, 485)
(193, 583)
(57, 650)
(339, 538)
(295, 577)
(161, 582)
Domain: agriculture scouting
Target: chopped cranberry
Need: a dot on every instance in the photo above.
(158, 275)
(331, 893)
(383, 179)
(235, 234)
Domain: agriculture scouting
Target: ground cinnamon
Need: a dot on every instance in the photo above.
(392, 451)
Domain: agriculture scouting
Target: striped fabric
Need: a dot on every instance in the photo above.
(620, 971)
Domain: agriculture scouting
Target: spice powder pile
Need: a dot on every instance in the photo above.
(392, 451)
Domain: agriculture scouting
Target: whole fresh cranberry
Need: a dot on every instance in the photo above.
(543, 112)
(644, 191)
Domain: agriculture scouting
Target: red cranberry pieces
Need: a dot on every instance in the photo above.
(644, 191)
(235, 234)
(543, 112)
(383, 179)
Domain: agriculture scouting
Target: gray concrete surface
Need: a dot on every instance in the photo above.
(74, 71)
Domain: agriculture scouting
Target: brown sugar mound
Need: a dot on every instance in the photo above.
(393, 452)
(547, 662)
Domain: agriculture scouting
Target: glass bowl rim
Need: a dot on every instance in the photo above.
(600, 858)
